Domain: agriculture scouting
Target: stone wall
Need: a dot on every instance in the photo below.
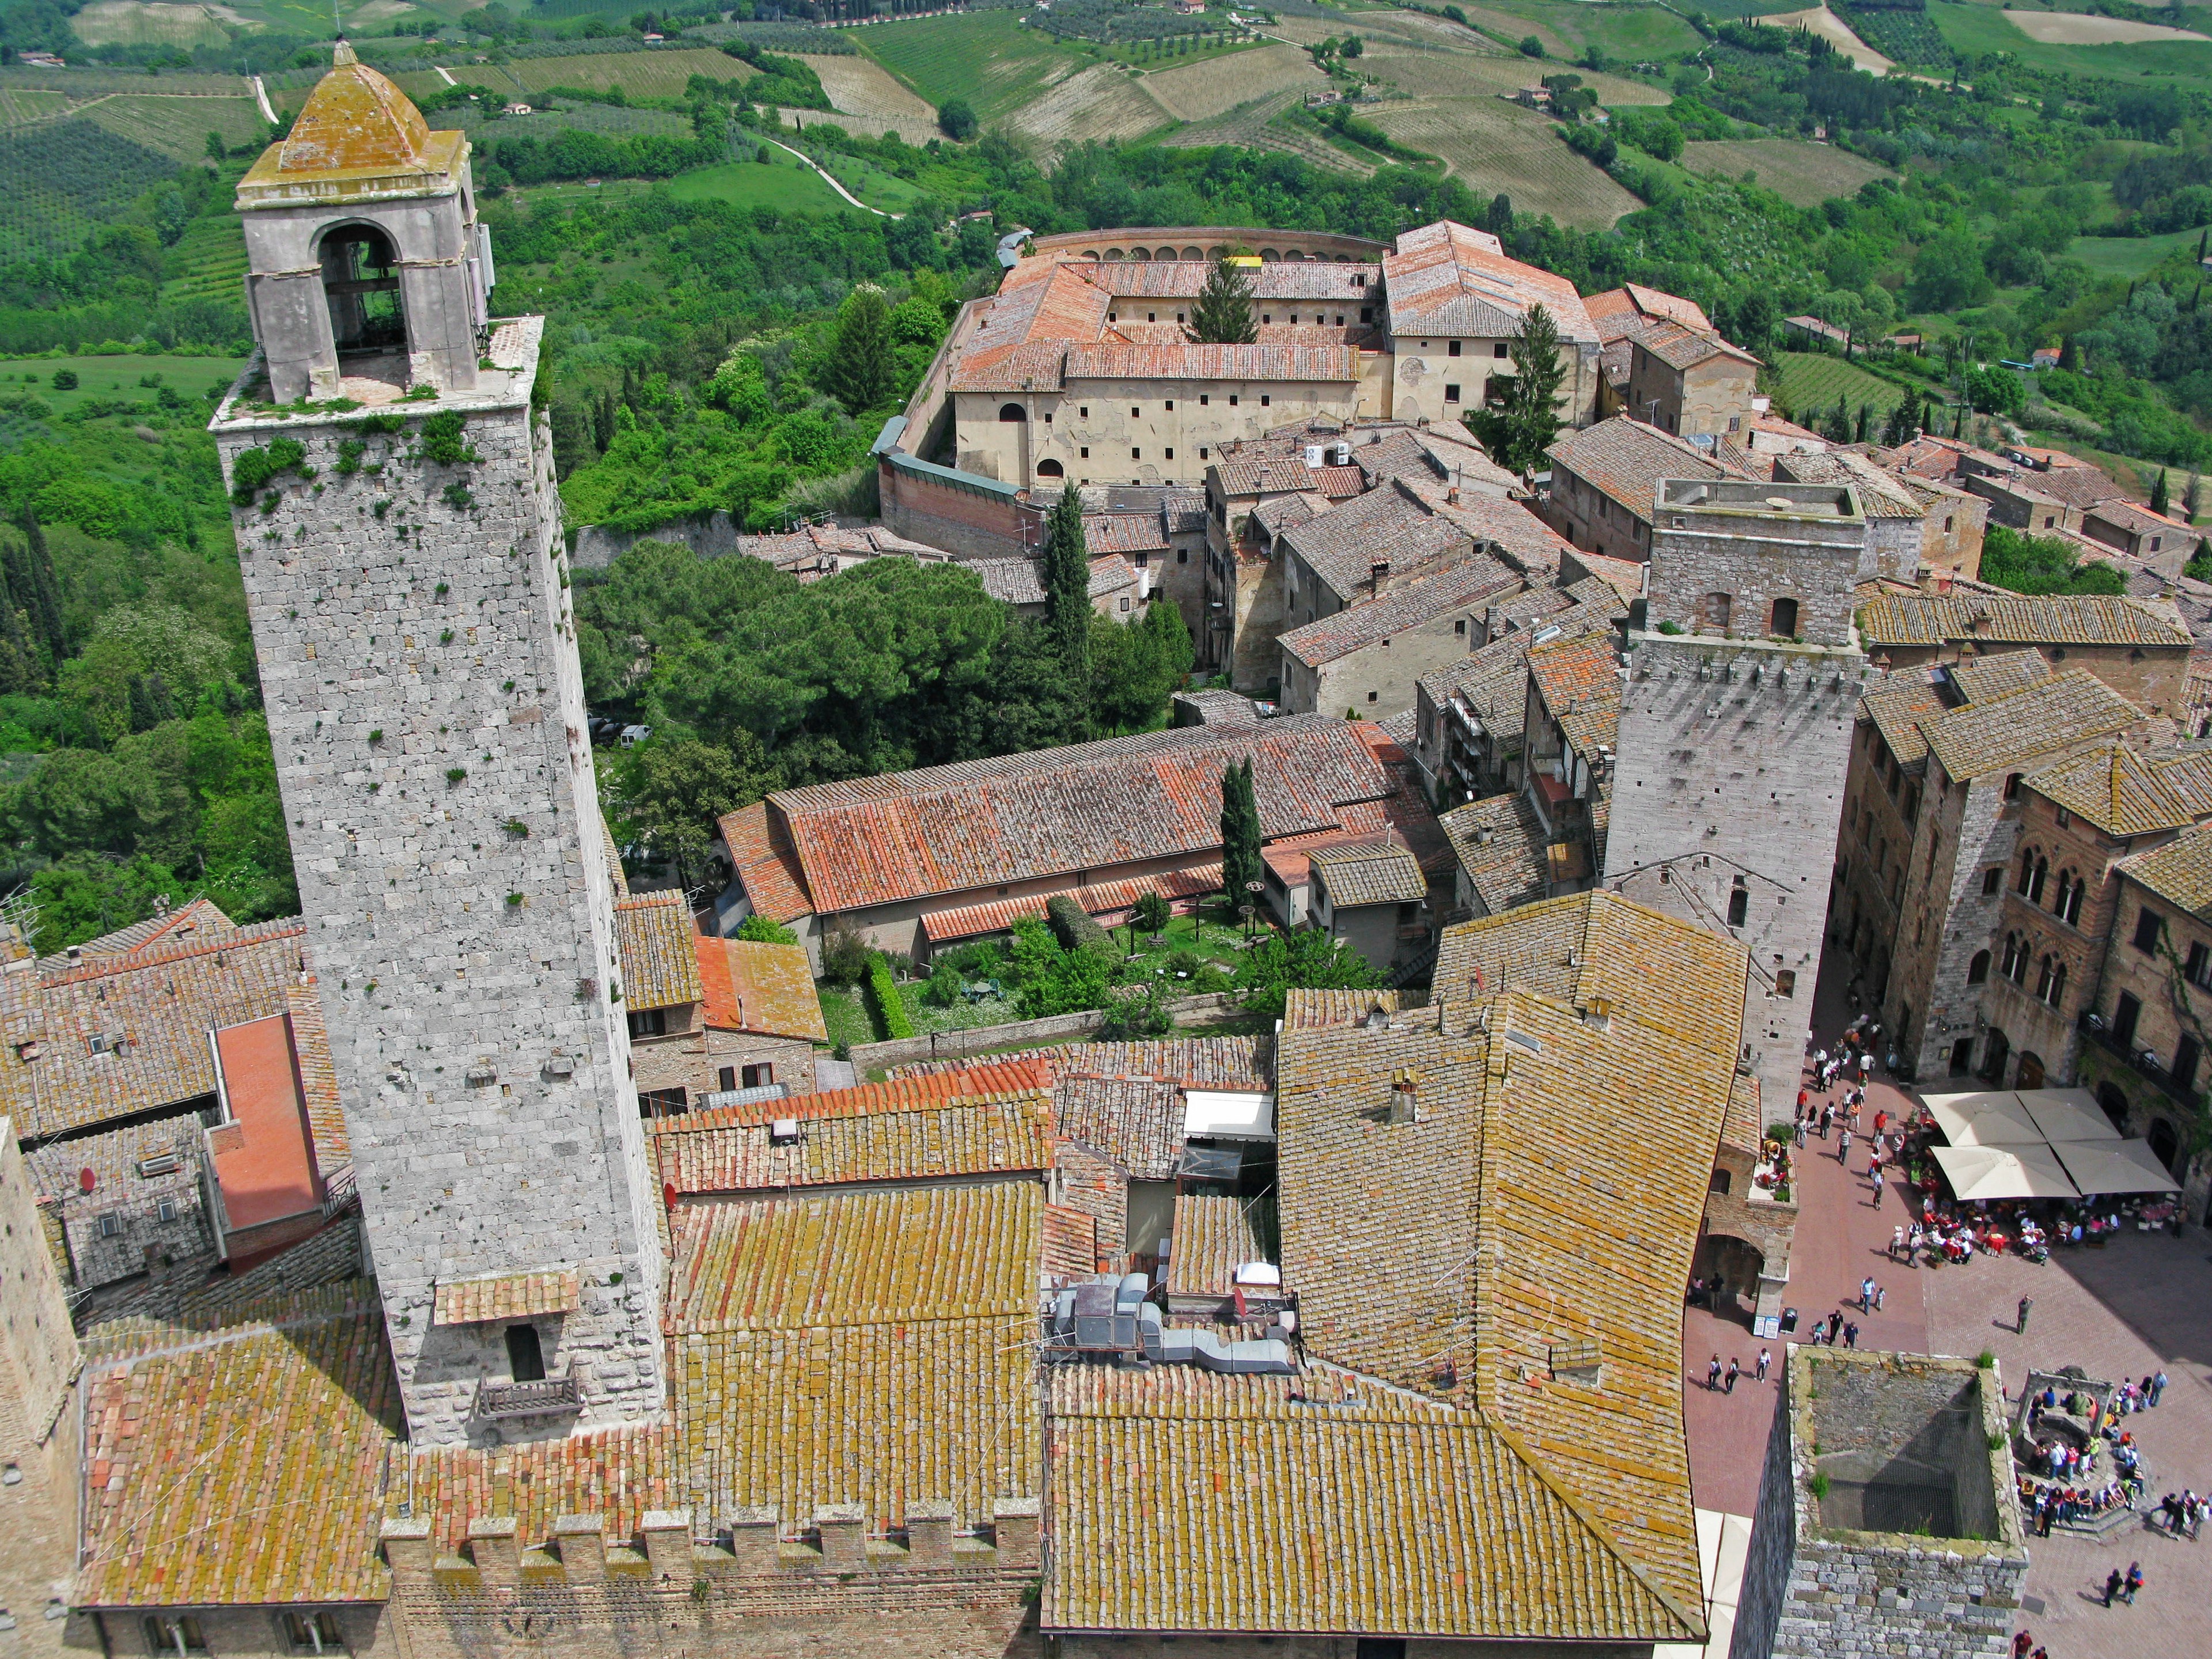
(1906, 1423)
(1757, 556)
(594, 547)
(39, 1362)
(871, 1058)
(1729, 779)
(414, 631)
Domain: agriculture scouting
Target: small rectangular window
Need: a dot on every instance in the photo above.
(1452, 350)
(1135, 453)
(1136, 413)
(110, 1224)
(1204, 398)
(1459, 626)
(1367, 313)
(1451, 393)
(1497, 350)
(1170, 403)
(1265, 400)
(1785, 983)
(649, 1023)
(525, 1355)
(1084, 413)
(1201, 452)
(313, 1633)
(1169, 453)
(1992, 880)
(1086, 452)
(165, 1211)
(177, 1633)
(729, 1079)
(1232, 400)
(760, 1076)
(2147, 929)
(2200, 966)
(1739, 907)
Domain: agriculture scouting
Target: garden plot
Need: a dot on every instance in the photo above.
(2067, 28)
(1198, 92)
(861, 85)
(1491, 146)
(1104, 103)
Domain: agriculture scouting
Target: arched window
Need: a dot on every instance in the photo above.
(2065, 886)
(2015, 958)
(360, 284)
(2027, 868)
(2035, 882)
(1785, 617)
(1051, 470)
(2069, 899)
(1012, 412)
(2057, 984)
(2043, 972)
(1978, 971)
(1713, 612)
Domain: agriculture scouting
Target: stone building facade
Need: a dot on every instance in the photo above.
(1886, 1522)
(1734, 728)
(409, 599)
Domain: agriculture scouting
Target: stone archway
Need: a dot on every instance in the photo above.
(2030, 1070)
(1993, 1062)
(2115, 1104)
(1738, 1264)
(2165, 1146)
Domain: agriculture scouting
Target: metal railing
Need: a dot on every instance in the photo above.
(2144, 1061)
(538, 1399)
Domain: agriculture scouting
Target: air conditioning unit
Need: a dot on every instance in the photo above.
(160, 1164)
(784, 1132)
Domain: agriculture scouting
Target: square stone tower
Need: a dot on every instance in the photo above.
(409, 599)
(1735, 732)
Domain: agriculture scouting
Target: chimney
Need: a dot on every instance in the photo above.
(929, 1534)
(408, 1551)
(1405, 1099)
(1016, 1528)
(1376, 572)
(668, 1545)
(582, 1540)
(754, 1535)
(844, 1530)
(496, 1550)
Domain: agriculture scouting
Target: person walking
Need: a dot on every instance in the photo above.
(2020, 1324)
(1866, 1294)
(2113, 1581)
(1765, 1360)
(1713, 1375)
(1880, 1295)
(1851, 1335)
(2155, 1387)
(2135, 1582)
(1734, 1370)
(1801, 1134)
(1843, 1148)
(1896, 1240)
(1827, 1118)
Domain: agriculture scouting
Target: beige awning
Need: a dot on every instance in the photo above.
(1988, 1172)
(2107, 1169)
(2068, 1115)
(1985, 1118)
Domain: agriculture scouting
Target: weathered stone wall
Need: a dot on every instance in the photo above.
(974, 522)
(1756, 559)
(39, 1362)
(416, 638)
(872, 1057)
(1730, 766)
(363, 1629)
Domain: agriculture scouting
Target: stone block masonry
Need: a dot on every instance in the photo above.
(425, 703)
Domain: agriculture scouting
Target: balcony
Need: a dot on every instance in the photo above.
(543, 1398)
(2146, 1064)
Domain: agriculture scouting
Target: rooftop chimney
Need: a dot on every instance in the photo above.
(1405, 1099)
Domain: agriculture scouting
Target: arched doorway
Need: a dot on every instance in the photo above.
(1012, 412)
(361, 285)
(1737, 1263)
(2031, 1071)
(2115, 1104)
(2165, 1145)
(1993, 1062)
(1051, 470)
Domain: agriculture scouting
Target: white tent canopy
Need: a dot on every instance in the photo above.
(2109, 1168)
(1989, 1172)
(1986, 1118)
(2068, 1115)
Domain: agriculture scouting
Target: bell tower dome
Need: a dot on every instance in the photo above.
(365, 258)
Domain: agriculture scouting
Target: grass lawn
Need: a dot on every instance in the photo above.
(995, 63)
(783, 183)
(117, 377)
(2129, 255)
(1983, 29)
(1616, 30)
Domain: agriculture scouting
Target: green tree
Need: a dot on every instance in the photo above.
(1152, 913)
(32, 580)
(1067, 576)
(1898, 427)
(2192, 498)
(1223, 315)
(1994, 391)
(673, 793)
(2158, 496)
(1304, 959)
(862, 370)
(1519, 432)
(82, 895)
(1531, 46)
(133, 644)
(215, 150)
(759, 930)
(1241, 864)
(956, 119)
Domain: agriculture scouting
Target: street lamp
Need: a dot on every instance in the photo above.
(1251, 910)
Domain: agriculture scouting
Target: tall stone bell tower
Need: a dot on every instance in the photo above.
(392, 480)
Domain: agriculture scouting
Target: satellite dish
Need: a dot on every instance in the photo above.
(86, 1179)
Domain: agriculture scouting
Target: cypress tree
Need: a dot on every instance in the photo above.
(1518, 433)
(1240, 833)
(2157, 492)
(1223, 315)
(1866, 415)
(1067, 585)
(31, 578)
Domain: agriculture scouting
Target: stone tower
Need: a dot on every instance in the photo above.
(1735, 732)
(409, 599)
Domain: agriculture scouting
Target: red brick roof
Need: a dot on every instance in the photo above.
(1625, 458)
(761, 856)
(1448, 278)
(754, 987)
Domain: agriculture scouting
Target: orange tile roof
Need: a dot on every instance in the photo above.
(265, 1162)
(1923, 619)
(653, 934)
(754, 987)
(999, 915)
(1625, 460)
(760, 855)
(1448, 278)
(1579, 680)
(620, 1474)
(967, 1081)
(505, 1296)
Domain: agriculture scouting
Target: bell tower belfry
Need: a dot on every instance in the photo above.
(404, 571)
(364, 253)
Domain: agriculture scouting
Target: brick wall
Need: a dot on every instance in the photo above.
(970, 523)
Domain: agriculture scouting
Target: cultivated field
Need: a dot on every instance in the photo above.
(1792, 169)
(1198, 92)
(913, 131)
(1569, 28)
(1838, 33)
(176, 126)
(1104, 102)
(1462, 74)
(1491, 146)
(213, 257)
(782, 184)
(1249, 126)
(1811, 383)
(20, 104)
(989, 59)
(1982, 29)
(132, 23)
(651, 74)
(861, 85)
(2067, 28)
(2129, 255)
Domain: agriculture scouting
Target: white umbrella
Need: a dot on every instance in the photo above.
(1987, 1172)
(1987, 1118)
(2108, 1168)
(2068, 1115)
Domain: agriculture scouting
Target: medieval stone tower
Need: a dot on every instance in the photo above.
(399, 536)
(1736, 730)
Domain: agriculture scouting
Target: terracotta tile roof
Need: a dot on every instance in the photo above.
(2124, 794)
(1981, 678)
(620, 1474)
(506, 1295)
(1460, 584)
(1021, 581)
(1123, 532)
(1432, 460)
(1213, 1237)
(152, 1008)
(1491, 685)
(1618, 310)
(1278, 513)
(2010, 731)
(1274, 279)
(854, 1258)
(197, 922)
(114, 1158)
(1900, 713)
(1624, 577)
(1499, 843)
(761, 855)
(1579, 681)
(1264, 476)
(1392, 526)
(1371, 1511)
(1107, 898)
(245, 1467)
(1881, 496)
(1679, 346)
(1369, 873)
(1448, 279)
(1625, 460)
(1070, 1248)
(1136, 1122)
(2125, 515)
(1227, 1062)
(752, 987)
(1295, 363)
(1020, 818)
(2181, 872)
(1506, 529)
(984, 1120)
(653, 937)
(1900, 619)
(319, 1080)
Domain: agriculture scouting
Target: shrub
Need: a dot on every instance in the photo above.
(884, 998)
(956, 119)
(1134, 1012)
(1986, 1359)
(64, 379)
(845, 959)
(442, 440)
(1820, 1484)
(1070, 925)
(256, 467)
(761, 930)
(1153, 914)
(1531, 46)
(944, 987)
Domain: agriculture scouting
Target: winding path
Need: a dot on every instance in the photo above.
(832, 183)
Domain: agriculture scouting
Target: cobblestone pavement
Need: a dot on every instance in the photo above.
(2142, 1305)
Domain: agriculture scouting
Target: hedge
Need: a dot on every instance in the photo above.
(1071, 925)
(884, 996)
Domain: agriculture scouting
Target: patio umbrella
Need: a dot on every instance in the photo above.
(1987, 1172)
(2108, 1168)
(2068, 1115)
(1985, 1118)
